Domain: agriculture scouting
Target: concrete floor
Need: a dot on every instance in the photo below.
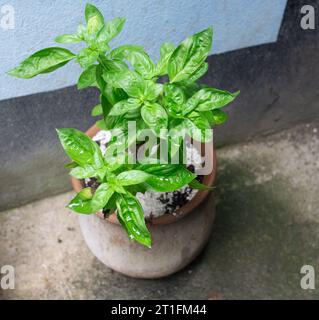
(267, 227)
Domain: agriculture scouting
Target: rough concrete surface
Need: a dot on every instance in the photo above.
(266, 229)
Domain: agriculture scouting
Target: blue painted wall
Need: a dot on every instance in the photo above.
(237, 24)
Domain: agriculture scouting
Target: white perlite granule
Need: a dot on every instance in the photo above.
(103, 137)
(155, 204)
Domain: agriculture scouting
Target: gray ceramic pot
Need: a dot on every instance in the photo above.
(177, 239)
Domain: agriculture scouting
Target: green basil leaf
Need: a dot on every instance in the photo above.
(218, 117)
(81, 31)
(131, 177)
(166, 52)
(121, 52)
(43, 61)
(87, 171)
(99, 78)
(128, 80)
(157, 169)
(111, 205)
(87, 77)
(94, 19)
(214, 99)
(97, 110)
(175, 179)
(119, 189)
(151, 90)
(198, 127)
(102, 196)
(110, 30)
(113, 66)
(87, 57)
(80, 148)
(189, 56)
(68, 38)
(192, 103)
(174, 99)
(198, 73)
(124, 106)
(71, 165)
(133, 84)
(195, 184)
(101, 124)
(155, 116)
(82, 202)
(131, 216)
(114, 95)
(142, 63)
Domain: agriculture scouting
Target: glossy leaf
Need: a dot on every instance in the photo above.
(166, 52)
(128, 80)
(189, 56)
(97, 110)
(151, 90)
(110, 30)
(175, 179)
(199, 97)
(214, 99)
(87, 77)
(174, 99)
(43, 61)
(218, 117)
(131, 177)
(121, 52)
(71, 165)
(124, 106)
(80, 148)
(68, 38)
(101, 196)
(198, 127)
(87, 171)
(157, 169)
(81, 203)
(86, 57)
(115, 95)
(199, 72)
(101, 124)
(114, 67)
(142, 63)
(195, 184)
(131, 216)
(94, 19)
(154, 116)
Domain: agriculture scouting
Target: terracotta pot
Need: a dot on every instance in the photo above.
(177, 239)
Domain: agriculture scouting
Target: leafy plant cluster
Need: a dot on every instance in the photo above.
(132, 89)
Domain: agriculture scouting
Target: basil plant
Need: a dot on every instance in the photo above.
(161, 96)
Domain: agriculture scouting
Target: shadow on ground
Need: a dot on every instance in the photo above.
(266, 230)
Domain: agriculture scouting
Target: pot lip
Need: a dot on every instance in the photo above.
(166, 218)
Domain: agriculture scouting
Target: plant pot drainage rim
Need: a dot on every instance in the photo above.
(166, 218)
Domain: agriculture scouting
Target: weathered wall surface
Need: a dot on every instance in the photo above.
(237, 24)
(278, 81)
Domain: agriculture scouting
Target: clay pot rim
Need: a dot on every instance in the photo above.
(166, 218)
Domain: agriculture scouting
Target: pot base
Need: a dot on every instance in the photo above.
(174, 245)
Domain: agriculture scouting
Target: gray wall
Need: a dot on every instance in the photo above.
(278, 82)
(237, 24)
